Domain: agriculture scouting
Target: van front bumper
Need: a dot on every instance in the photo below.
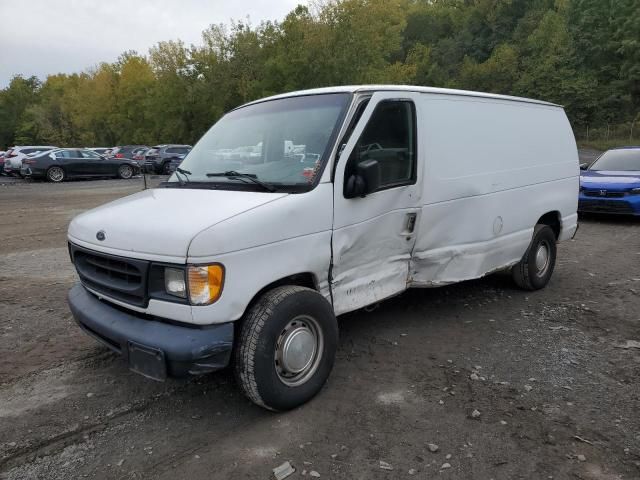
(152, 348)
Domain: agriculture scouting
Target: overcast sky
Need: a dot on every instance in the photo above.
(41, 37)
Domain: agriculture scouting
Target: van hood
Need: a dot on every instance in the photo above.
(161, 221)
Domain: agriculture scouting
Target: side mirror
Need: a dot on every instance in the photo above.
(366, 179)
(584, 166)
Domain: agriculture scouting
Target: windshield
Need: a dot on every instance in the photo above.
(618, 160)
(281, 142)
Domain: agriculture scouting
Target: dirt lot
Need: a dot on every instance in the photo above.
(556, 389)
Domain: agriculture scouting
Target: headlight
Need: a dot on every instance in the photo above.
(174, 282)
(634, 191)
(205, 283)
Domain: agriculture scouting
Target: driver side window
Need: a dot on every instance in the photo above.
(390, 139)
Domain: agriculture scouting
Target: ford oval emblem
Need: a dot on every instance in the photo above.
(101, 235)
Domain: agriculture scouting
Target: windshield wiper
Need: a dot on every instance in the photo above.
(184, 174)
(232, 174)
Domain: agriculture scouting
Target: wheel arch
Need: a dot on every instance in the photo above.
(302, 279)
(552, 219)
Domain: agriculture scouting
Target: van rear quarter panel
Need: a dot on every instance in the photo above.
(490, 169)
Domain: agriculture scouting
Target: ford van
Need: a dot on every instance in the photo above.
(298, 208)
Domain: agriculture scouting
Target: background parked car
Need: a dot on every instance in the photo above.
(101, 150)
(138, 154)
(14, 156)
(63, 163)
(159, 158)
(126, 151)
(2, 162)
(612, 183)
(175, 162)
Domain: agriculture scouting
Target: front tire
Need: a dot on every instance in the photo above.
(534, 271)
(166, 168)
(55, 174)
(125, 172)
(286, 348)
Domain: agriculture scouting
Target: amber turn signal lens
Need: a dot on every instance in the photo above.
(205, 283)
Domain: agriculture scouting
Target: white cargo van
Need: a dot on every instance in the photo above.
(300, 207)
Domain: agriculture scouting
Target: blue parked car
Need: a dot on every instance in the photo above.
(612, 183)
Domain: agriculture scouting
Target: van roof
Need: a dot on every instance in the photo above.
(403, 88)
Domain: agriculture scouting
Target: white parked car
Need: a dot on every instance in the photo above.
(104, 151)
(255, 256)
(14, 156)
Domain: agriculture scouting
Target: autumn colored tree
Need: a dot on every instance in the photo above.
(583, 54)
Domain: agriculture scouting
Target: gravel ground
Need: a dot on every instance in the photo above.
(472, 381)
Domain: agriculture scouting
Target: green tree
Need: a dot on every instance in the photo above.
(14, 101)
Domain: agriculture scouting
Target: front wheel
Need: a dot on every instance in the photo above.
(287, 347)
(125, 171)
(534, 271)
(55, 174)
(166, 168)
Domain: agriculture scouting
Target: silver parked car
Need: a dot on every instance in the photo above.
(14, 156)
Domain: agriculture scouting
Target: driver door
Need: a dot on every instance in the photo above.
(373, 235)
(94, 164)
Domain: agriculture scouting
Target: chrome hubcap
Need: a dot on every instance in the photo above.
(542, 258)
(125, 171)
(298, 350)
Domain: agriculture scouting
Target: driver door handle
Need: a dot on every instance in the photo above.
(411, 222)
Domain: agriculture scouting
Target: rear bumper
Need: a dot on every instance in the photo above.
(30, 172)
(168, 350)
(627, 205)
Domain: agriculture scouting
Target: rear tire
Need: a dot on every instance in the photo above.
(534, 271)
(286, 347)
(166, 168)
(55, 174)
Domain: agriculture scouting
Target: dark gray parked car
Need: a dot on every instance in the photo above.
(62, 163)
(159, 158)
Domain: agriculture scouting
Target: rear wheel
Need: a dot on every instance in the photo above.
(166, 168)
(55, 174)
(286, 348)
(125, 171)
(534, 271)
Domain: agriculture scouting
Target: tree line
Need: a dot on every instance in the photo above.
(583, 54)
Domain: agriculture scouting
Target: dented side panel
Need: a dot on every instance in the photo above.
(371, 260)
(472, 237)
(371, 242)
(488, 169)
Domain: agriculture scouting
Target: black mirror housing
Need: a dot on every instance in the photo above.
(354, 187)
(365, 180)
(369, 171)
